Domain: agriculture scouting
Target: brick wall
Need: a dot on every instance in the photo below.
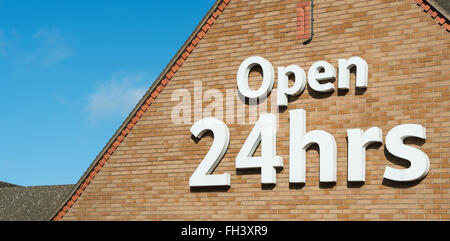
(147, 176)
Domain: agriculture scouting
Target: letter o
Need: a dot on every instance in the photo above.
(242, 77)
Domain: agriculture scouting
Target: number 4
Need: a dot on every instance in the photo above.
(263, 132)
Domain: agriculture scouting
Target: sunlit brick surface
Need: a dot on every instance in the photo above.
(147, 176)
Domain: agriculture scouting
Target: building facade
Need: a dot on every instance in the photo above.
(144, 171)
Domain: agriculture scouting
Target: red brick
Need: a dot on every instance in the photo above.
(195, 41)
(139, 113)
(180, 61)
(153, 167)
(206, 27)
(160, 87)
(92, 175)
(170, 74)
(201, 34)
(185, 55)
(425, 6)
(155, 93)
(190, 47)
(174, 68)
(222, 6)
(58, 217)
(79, 191)
(116, 144)
(210, 21)
(447, 26)
(440, 20)
(150, 100)
(432, 13)
(102, 162)
(133, 120)
(88, 179)
(144, 107)
(164, 81)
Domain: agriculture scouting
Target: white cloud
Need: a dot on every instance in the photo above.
(51, 48)
(43, 48)
(117, 97)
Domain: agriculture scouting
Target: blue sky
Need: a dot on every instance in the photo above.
(70, 73)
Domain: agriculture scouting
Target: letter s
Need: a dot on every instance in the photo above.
(420, 163)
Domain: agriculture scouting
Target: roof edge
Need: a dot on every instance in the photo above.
(438, 10)
(143, 105)
(442, 6)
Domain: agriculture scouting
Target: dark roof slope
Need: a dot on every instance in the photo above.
(443, 6)
(34, 203)
(6, 184)
(437, 9)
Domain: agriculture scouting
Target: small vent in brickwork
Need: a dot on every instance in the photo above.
(305, 21)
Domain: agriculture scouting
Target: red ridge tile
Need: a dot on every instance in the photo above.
(185, 55)
(165, 81)
(170, 74)
(201, 34)
(190, 47)
(447, 26)
(440, 20)
(159, 87)
(180, 61)
(155, 94)
(425, 6)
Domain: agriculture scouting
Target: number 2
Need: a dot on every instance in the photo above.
(202, 175)
(263, 132)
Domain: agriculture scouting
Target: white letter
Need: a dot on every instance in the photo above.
(198, 101)
(300, 141)
(215, 106)
(362, 71)
(202, 175)
(263, 132)
(358, 141)
(314, 76)
(283, 80)
(268, 77)
(419, 160)
(184, 106)
(229, 105)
